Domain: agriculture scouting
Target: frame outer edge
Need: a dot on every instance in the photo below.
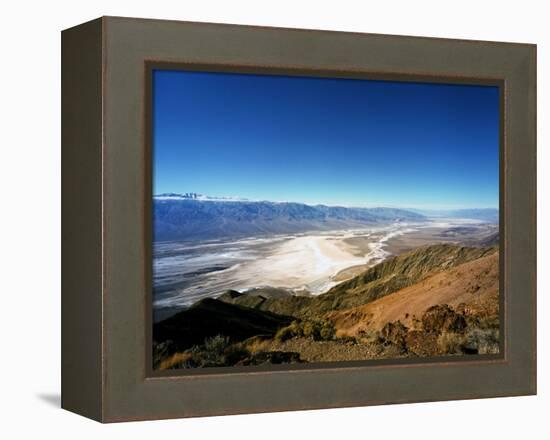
(81, 213)
(534, 79)
(125, 394)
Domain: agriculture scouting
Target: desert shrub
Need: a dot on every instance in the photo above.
(292, 330)
(284, 334)
(369, 337)
(217, 351)
(216, 344)
(488, 322)
(319, 330)
(327, 331)
(390, 351)
(450, 343)
(235, 353)
(475, 341)
(272, 357)
(482, 341)
(347, 339)
(310, 330)
(161, 352)
(257, 344)
(213, 348)
(421, 343)
(179, 360)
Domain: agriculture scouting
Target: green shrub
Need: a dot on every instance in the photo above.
(318, 330)
(482, 341)
(327, 331)
(217, 351)
(292, 330)
(214, 347)
(310, 330)
(475, 341)
(450, 343)
(235, 353)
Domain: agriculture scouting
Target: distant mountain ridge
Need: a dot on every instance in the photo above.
(194, 216)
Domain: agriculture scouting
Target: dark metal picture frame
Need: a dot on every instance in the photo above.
(106, 214)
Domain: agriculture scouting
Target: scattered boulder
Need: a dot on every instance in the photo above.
(395, 333)
(442, 318)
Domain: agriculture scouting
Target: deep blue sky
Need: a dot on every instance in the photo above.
(333, 141)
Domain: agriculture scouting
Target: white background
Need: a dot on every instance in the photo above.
(30, 219)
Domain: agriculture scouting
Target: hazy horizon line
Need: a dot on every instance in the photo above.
(206, 197)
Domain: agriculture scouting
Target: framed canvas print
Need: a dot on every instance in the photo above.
(262, 219)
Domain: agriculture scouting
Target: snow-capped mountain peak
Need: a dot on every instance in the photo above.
(196, 196)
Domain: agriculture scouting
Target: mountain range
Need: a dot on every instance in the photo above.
(194, 216)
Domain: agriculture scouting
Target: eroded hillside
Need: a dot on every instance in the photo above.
(436, 300)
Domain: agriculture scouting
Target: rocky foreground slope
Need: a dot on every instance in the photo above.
(436, 300)
(471, 287)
